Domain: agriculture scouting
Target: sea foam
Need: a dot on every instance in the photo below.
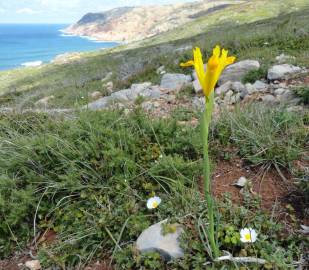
(32, 64)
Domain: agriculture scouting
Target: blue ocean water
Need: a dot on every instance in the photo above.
(28, 44)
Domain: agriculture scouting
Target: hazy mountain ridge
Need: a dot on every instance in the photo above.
(135, 23)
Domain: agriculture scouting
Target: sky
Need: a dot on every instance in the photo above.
(62, 11)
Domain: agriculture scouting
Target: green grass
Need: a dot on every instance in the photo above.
(254, 75)
(262, 40)
(264, 135)
(88, 179)
(249, 12)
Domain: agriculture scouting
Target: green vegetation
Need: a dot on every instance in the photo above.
(254, 75)
(303, 93)
(88, 180)
(274, 136)
(70, 83)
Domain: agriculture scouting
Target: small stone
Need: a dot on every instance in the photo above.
(109, 87)
(279, 72)
(282, 85)
(287, 96)
(222, 89)
(250, 89)
(153, 240)
(235, 98)
(229, 94)
(241, 182)
(161, 70)
(279, 91)
(237, 87)
(199, 103)
(95, 95)
(107, 77)
(269, 99)
(33, 265)
(259, 85)
(169, 98)
(230, 98)
(304, 229)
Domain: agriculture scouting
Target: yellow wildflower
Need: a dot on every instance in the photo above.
(216, 64)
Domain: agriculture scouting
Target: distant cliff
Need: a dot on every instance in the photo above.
(135, 23)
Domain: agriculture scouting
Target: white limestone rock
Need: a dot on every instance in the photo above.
(235, 72)
(175, 81)
(153, 240)
(279, 72)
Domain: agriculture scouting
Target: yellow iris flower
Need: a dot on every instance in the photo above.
(216, 64)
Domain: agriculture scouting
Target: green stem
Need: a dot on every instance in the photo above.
(206, 119)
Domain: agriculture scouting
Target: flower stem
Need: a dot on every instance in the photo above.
(206, 119)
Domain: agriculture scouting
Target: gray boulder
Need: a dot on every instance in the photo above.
(236, 71)
(100, 104)
(279, 72)
(238, 87)
(269, 99)
(124, 95)
(131, 94)
(235, 98)
(120, 98)
(222, 89)
(175, 81)
(288, 97)
(152, 240)
(260, 86)
(280, 91)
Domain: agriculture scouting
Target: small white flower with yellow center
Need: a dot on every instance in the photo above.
(248, 235)
(153, 202)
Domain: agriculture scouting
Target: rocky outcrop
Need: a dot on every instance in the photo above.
(160, 100)
(134, 23)
(175, 81)
(236, 71)
(279, 72)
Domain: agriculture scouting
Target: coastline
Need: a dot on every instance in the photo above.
(67, 33)
(37, 53)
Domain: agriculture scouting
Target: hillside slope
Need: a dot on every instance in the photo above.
(71, 81)
(135, 23)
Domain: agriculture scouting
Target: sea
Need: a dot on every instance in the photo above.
(24, 45)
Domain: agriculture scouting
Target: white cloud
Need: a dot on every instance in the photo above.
(27, 11)
(2, 10)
